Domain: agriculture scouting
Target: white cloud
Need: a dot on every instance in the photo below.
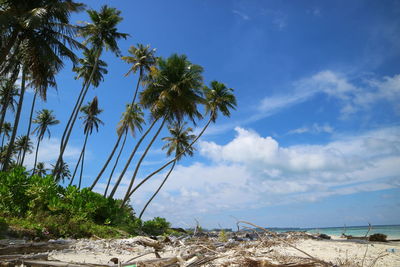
(315, 129)
(241, 14)
(353, 98)
(252, 171)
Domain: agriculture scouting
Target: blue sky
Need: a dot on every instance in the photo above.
(315, 139)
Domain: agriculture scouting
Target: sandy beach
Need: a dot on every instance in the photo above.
(335, 252)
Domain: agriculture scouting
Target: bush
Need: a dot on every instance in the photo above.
(157, 226)
(378, 237)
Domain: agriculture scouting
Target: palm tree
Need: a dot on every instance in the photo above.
(40, 169)
(143, 59)
(173, 92)
(132, 119)
(219, 98)
(64, 171)
(90, 122)
(101, 33)
(44, 119)
(178, 143)
(40, 37)
(5, 130)
(8, 92)
(25, 19)
(23, 144)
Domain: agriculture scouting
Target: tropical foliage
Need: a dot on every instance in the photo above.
(36, 40)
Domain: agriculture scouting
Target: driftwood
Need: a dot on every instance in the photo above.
(32, 248)
(55, 263)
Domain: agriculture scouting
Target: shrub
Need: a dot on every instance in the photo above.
(157, 226)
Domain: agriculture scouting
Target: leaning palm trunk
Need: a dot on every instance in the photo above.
(115, 147)
(158, 190)
(130, 158)
(16, 122)
(116, 162)
(73, 116)
(107, 162)
(76, 167)
(140, 162)
(171, 161)
(36, 155)
(29, 126)
(82, 162)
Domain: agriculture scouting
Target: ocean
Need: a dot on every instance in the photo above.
(392, 231)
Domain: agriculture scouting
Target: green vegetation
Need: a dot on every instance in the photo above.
(37, 39)
(39, 207)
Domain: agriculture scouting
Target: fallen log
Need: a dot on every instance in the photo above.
(32, 248)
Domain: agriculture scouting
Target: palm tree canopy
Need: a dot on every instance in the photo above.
(44, 119)
(90, 113)
(102, 32)
(86, 67)
(6, 129)
(64, 171)
(24, 143)
(132, 119)
(8, 92)
(42, 36)
(173, 89)
(219, 98)
(40, 169)
(142, 58)
(180, 140)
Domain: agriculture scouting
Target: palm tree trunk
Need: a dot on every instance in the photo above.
(158, 190)
(171, 161)
(83, 160)
(107, 162)
(16, 122)
(116, 162)
(130, 158)
(12, 80)
(74, 116)
(2, 140)
(76, 167)
(137, 86)
(6, 50)
(36, 155)
(29, 124)
(140, 162)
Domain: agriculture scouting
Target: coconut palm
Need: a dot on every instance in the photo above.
(132, 119)
(178, 144)
(91, 121)
(173, 92)
(23, 20)
(5, 130)
(23, 145)
(41, 170)
(44, 120)
(63, 171)
(142, 60)
(8, 92)
(219, 99)
(40, 37)
(99, 34)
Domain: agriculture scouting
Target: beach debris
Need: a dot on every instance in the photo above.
(378, 237)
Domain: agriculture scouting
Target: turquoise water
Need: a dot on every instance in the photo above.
(392, 231)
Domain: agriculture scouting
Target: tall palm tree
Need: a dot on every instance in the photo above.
(173, 92)
(100, 33)
(64, 171)
(142, 59)
(8, 92)
(40, 37)
(44, 120)
(219, 98)
(91, 121)
(23, 145)
(178, 144)
(25, 19)
(5, 130)
(41, 170)
(132, 119)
